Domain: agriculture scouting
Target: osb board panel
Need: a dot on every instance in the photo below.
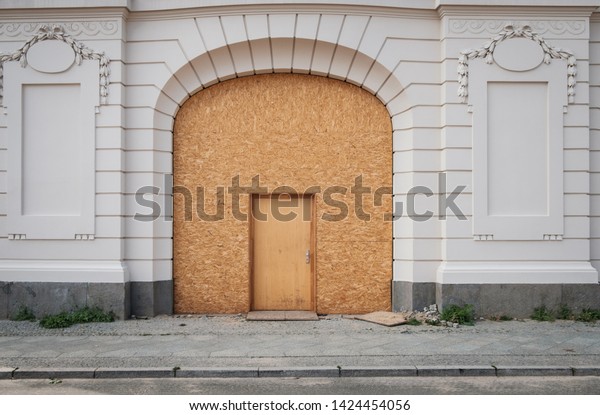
(352, 228)
(353, 277)
(291, 130)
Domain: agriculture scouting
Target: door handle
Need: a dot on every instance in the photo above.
(308, 256)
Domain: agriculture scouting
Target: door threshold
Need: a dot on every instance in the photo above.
(282, 316)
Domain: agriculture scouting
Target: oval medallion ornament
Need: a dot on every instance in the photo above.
(518, 54)
(51, 56)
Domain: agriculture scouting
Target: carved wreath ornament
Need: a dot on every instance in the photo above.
(81, 53)
(510, 31)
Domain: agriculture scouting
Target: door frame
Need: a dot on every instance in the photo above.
(313, 244)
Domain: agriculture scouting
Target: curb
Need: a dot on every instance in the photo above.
(297, 372)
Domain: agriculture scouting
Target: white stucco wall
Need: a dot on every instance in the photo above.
(406, 53)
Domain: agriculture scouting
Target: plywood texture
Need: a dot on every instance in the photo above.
(281, 277)
(292, 130)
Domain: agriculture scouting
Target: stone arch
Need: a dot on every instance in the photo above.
(340, 62)
(353, 66)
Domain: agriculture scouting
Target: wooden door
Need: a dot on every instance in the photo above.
(282, 253)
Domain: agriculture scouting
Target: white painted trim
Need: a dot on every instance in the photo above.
(56, 32)
(389, 48)
(512, 31)
(85, 76)
(136, 5)
(63, 271)
(144, 5)
(548, 226)
(547, 272)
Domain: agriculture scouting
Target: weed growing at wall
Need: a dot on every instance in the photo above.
(458, 314)
(588, 315)
(564, 313)
(24, 314)
(81, 315)
(542, 313)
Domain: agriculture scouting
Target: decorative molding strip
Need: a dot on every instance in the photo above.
(553, 237)
(84, 237)
(483, 237)
(493, 27)
(81, 53)
(16, 236)
(89, 28)
(510, 31)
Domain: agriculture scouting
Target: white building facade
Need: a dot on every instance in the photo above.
(495, 119)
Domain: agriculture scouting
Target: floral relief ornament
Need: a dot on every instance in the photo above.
(510, 31)
(86, 28)
(81, 53)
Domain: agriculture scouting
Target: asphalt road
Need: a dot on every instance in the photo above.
(563, 385)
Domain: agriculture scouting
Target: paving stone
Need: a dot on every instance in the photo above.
(6, 372)
(218, 372)
(586, 371)
(102, 373)
(230, 342)
(478, 371)
(378, 371)
(54, 373)
(299, 372)
(438, 371)
(533, 371)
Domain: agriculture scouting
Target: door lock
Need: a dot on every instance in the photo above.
(308, 256)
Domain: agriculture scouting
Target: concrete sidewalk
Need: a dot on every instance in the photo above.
(230, 346)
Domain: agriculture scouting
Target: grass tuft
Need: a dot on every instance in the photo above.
(542, 313)
(80, 315)
(458, 314)
(564, 313)
(24, 314)
(588, 315)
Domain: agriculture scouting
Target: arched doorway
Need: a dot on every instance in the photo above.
(326, 142)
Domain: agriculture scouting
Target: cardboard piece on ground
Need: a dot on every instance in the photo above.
(385, 318)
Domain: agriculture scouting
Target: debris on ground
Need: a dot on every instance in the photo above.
(430, 315)
(385, 318)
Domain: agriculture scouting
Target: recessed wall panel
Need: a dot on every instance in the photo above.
(518, 122)
(517, 148)
(51, 143)
(51, 121)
